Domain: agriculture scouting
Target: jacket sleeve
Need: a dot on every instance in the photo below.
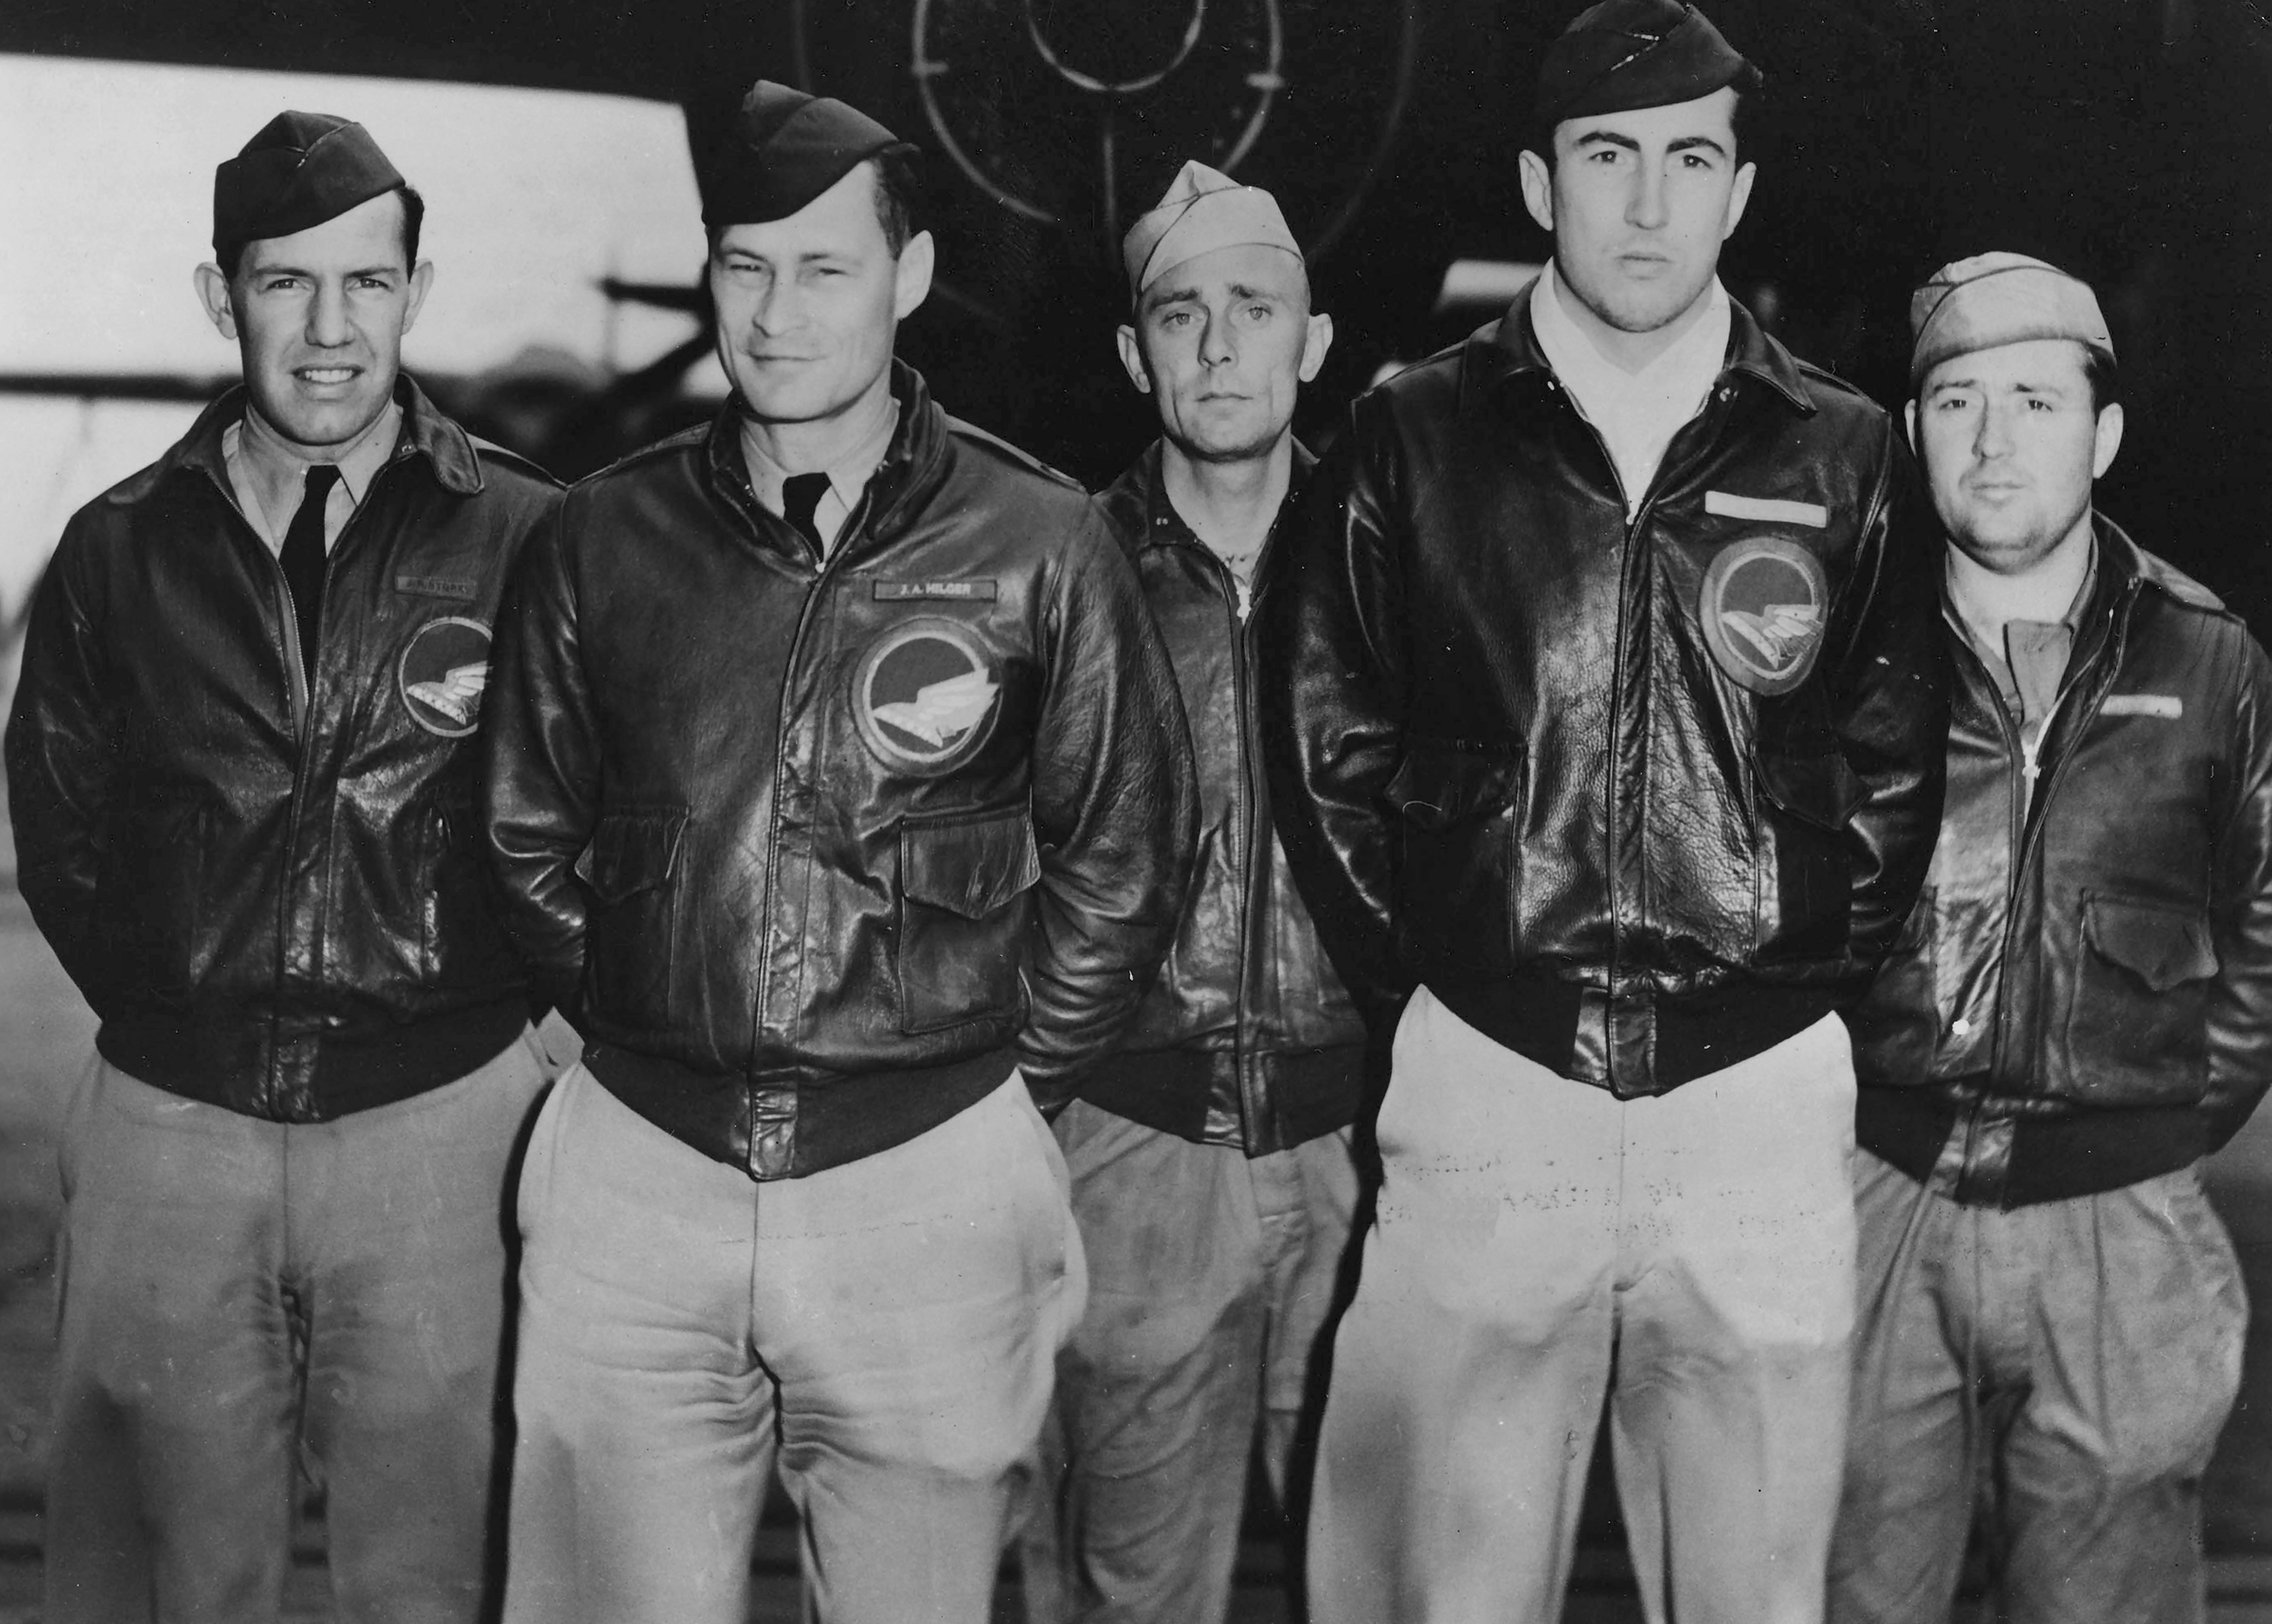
(62, 748)
(1888, 689)
(1115, 810)
(2239, 1015)
(1331, 683)
(541, 764)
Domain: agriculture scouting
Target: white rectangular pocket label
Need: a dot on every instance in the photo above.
(1812, 514)
(2170, 705)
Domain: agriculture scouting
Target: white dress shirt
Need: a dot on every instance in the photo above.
(1636, 413)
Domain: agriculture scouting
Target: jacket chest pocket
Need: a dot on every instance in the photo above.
(1805, 877)
(1456, 889)
(631, 867)
(963, 914)
(2134, 1027)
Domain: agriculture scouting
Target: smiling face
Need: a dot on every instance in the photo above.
(1222, 342)
(1639, 203)
(808, 307)
(319, 318)
(2011, 442)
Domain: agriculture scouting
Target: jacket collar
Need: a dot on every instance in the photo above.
(1508, 349)
(913, 465)
(1139, 499)
(426, 432)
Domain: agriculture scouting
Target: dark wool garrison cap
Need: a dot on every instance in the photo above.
(301, 170)
(1626, 54)
(779, 151)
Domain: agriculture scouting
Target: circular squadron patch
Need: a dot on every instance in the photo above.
(443, 670)
(1762, 606)
(925, 696)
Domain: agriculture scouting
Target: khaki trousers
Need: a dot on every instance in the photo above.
(1539, 1243)
(2070, 1363)
(887, 1330)
(1210, 1276)
(244, 1300)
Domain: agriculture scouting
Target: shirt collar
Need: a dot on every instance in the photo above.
(275, 470)
(1681, 376)
(848, 476)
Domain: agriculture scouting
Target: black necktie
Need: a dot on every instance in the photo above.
(304, 561)
(801, 494)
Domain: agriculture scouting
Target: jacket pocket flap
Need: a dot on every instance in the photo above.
(971, 866)
(2164, 947)
(1437, 786)
(1819, 789)
(631, 853)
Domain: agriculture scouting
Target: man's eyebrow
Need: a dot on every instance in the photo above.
(1607, 137)
(1687, 144)
(1946, 384)
(1240, 290)
(1154, 300)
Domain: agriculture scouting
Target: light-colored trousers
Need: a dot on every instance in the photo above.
(1539, 1244)
(2075, 1362)
(242, 1299)
(888, 1329)
(1210, 1275)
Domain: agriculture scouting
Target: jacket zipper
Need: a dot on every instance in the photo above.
(1250, 821)
(1617, 713)
(830, 557)
(2027, 794)
(303, 698)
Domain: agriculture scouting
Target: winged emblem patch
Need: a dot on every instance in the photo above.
(925, 695)
(444, 671)
(1762, 607)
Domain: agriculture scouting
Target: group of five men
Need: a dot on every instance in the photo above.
(979, 903)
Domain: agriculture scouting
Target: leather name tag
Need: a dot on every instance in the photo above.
(2169, 705)
(1812, 514)
(438, 586)
(923, 591)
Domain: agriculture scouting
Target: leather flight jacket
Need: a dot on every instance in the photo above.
(2082, 997)
(270, 890)
(1637, 798)
(1247, 1039)
(813, 849)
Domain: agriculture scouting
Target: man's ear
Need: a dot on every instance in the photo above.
(1132, 356)
(912, 284)
(1909, 416)
(1537, 188)
(212, 293)
(1315, 343)
(1738, 195)
(2109, 439)
(422, 279)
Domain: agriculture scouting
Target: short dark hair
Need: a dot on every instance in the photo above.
(1541, 139)
(230, 255)
(899, 196)
(2099, 371)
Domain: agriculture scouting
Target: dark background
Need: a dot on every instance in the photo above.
(2129, 140)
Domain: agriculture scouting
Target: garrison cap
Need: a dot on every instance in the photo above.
(1203, 210)
(1993, 299)
(779, 150)
(1620, 55)
(301, 170)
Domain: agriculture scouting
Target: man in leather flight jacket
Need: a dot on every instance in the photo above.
(1210, 1156)
(1603, 707)
(2079, 1009)
(841, 789)
(243, 777)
